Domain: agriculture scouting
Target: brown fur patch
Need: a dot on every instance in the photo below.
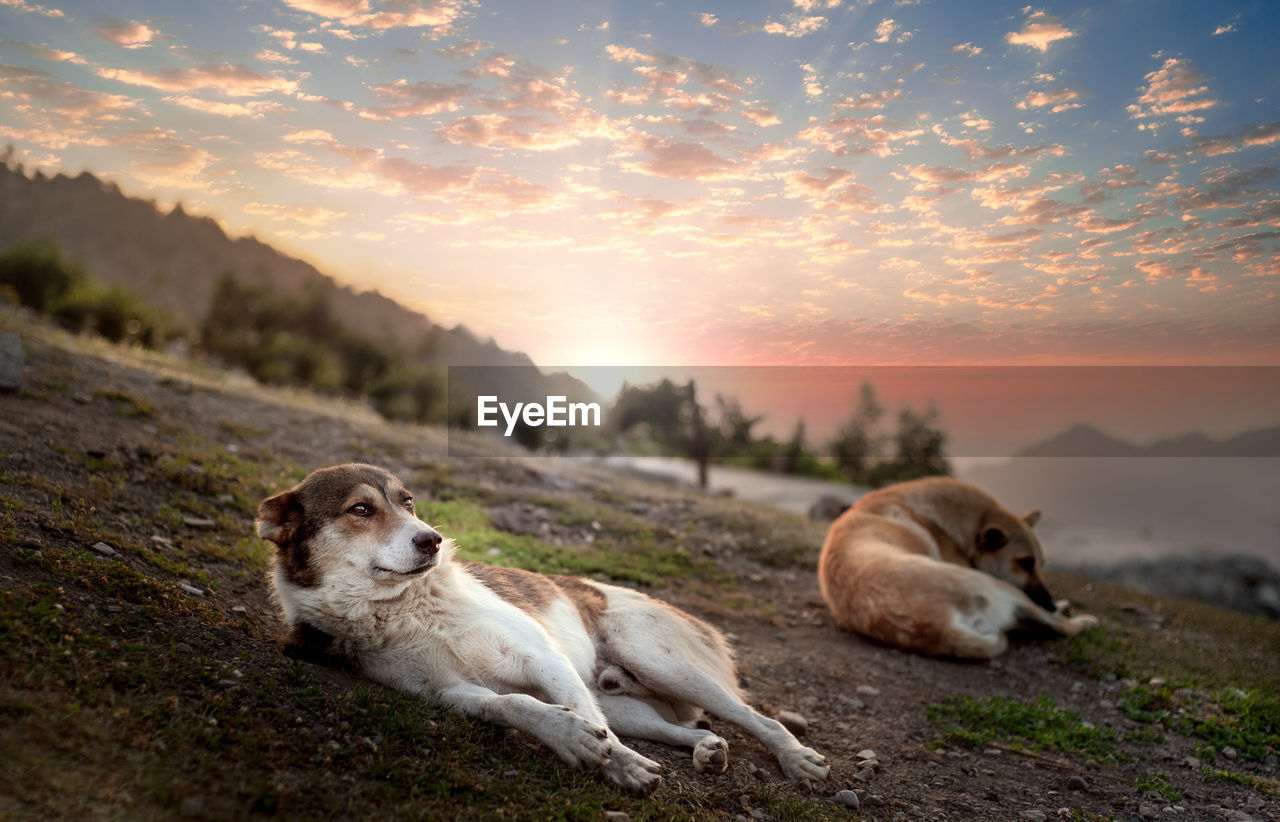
(528, 591)
(588, 599)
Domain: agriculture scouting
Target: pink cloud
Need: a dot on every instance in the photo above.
(1040, 31)
(1173, 89)
(404, 99)
(232, 80)
(438, 15)
(128, 34)
(686, 161)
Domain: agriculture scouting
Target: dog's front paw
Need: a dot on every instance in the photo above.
(711, 755)
(578, 742)
(804, 763)
(633, 772)
(1083, 622)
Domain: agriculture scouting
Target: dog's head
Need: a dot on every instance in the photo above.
(354, 522)
(1006, 547)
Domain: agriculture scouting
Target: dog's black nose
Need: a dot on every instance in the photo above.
(427, 542)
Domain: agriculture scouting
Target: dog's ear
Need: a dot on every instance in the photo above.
(279, 517)
(992, 538)
(1031, 517)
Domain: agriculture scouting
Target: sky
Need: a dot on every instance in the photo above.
(718, 183)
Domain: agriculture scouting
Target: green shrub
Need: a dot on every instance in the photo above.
(37, 274)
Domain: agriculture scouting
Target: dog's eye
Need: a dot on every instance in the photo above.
(408, 503)
(360, 510)
(1027, 564)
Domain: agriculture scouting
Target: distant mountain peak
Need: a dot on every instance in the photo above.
(1084, 440)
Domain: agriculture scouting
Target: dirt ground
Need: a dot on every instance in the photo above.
(106, 444)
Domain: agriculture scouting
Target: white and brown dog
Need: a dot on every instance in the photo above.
(938, 566)
(570, 661)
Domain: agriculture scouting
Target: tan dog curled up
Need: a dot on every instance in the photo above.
(939, 566)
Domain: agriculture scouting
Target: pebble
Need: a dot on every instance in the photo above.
(793, 722)
(198, 522)
(114, 609)
(1237, 816)
(867, 690)
(104, 549)
(1229, 752)
(847, 799)
(1032, 813)
(617, 816)
(1191, 762)
(191, 589)
(1148, 811)
(239, 609)
(1077, 783)
(866, 753)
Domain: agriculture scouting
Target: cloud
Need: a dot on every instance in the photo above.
(867, 101)
(708, 19)
(1040, 31)
(1267, 134)
(679, 160)
(851, 135)
(438, 15)
(885, 30)
(231, 80)
(1225, 28)
(762, 116)
(401, 98)
(33, 8)
(802, 183)
(306, 215)
(967, 49)
(128, 34)
(464, 49)
(59, 112)
(1058, 100)
(254, 109)
(1176, 88)
(792, 25)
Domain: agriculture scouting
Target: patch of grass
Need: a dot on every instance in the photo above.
(1157, 781)
(1248, 721)
(129, 405)
(774, 539)
(470, 526)
(240, 430)
(1034, 726)
(1258, 783)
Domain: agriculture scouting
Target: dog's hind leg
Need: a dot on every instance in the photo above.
(639, 719)
(687, 683)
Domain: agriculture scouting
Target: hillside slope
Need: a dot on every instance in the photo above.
(142, 681)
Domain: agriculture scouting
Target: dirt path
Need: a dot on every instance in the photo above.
(164, 466)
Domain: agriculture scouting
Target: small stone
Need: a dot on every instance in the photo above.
(847, 799)
(191, 589)
(1156, 682)
(866, 753)
(759, 773)
(617, 816)
(239, 609)
(1229, 752)
(1237, 816)
(1149, 811)
(199, 522)
(1191, 762)
(1077, 783)
(867, 690)
(104, 549)
(32, 544)
(1032, 813)
(793, 722)
(114, 609)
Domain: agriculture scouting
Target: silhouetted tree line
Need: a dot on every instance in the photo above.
(281, 339)
(36, 275)
(287, 339)
(667, 417)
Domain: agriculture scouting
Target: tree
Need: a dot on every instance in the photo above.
(856, 443)
(38, 275)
